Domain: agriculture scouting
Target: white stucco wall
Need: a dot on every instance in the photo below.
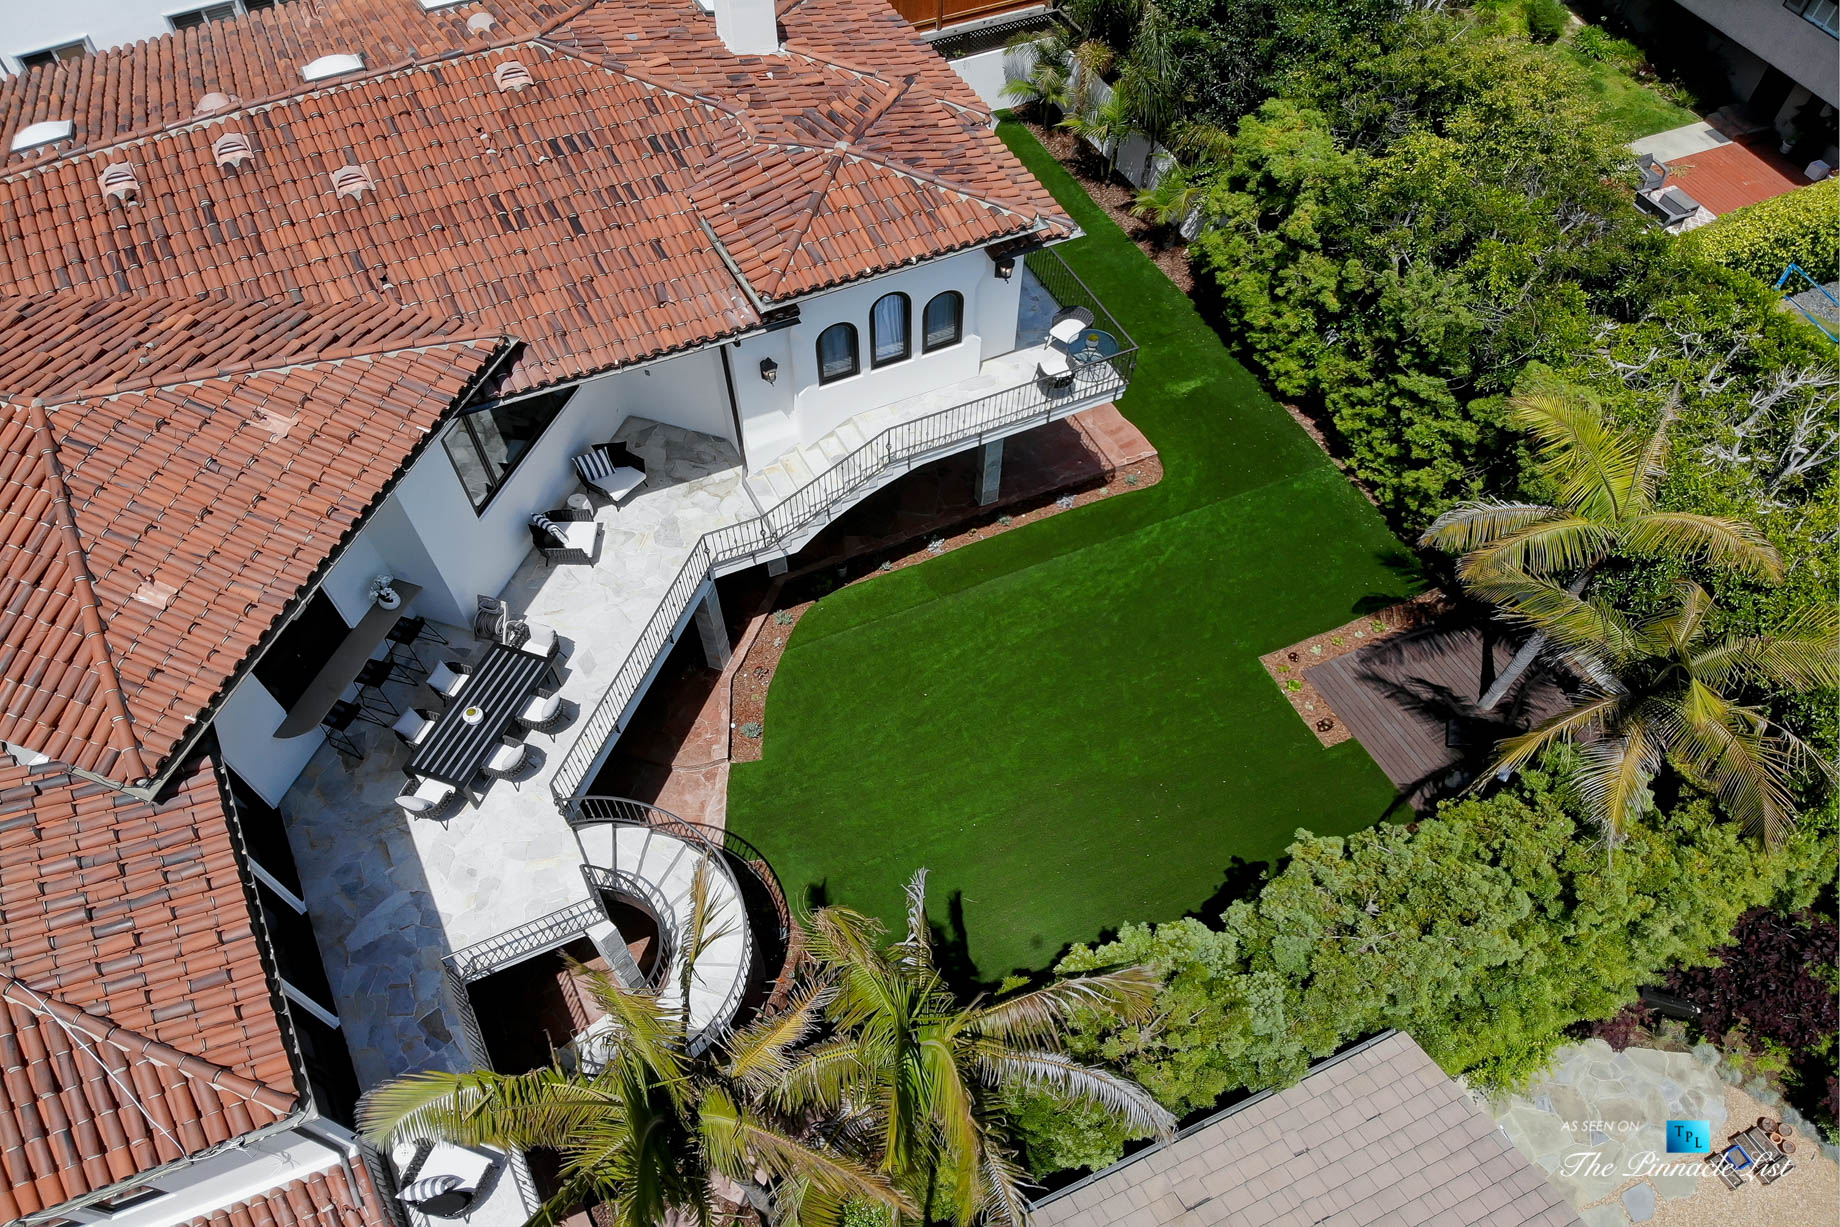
(232, 1177)
(246, 725)
(796, 408)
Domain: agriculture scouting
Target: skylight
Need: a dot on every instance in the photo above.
(331, 66)
(43, 133)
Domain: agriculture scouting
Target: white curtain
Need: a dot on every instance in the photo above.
(888, 328)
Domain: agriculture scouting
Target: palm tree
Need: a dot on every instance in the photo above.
(1178, 193)
(929, 1075)
(647, 1127)
(1106, 126)
(1606, 478)
(1660, 691)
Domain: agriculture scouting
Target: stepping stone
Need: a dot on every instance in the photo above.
(1639, 1202)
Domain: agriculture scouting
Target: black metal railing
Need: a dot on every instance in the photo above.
(641, 895)
(514, 945)
(777, 531)
(726, 849)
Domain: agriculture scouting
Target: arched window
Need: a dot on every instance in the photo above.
(888, 340)
(943, 322)
(837, 353)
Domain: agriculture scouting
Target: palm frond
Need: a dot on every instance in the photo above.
(1672, 632)
(1059, 1075)
(1734, 544)
(1730, 750)
(737, 1140)
(1593, 714)
(951, 1107)
(642, 1030)
(1612, 777)
(1481, 523)
(543, 1107)
(1003, 1200)
(760, 1055)
(1653, 465)
(915, 951)
(1568, 619)
(1804, 655)
(1598, 468)
(1564, 545)
(1127, 994)
(824, 1075)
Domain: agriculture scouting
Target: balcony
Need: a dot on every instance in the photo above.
(394, 900)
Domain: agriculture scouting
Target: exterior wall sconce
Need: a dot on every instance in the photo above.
(769, 369)
(1006, 268)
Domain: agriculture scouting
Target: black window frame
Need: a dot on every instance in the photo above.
(465, 433)
(203, 15)
(44, 57)
(301, 650)
(845, 328)
(876, 361)
(1800, 9)
(958, 322)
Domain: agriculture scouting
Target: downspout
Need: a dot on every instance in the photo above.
(306, 1130)
(734, 407)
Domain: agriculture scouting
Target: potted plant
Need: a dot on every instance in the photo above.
(384, 594)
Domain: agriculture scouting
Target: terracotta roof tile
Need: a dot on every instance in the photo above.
(324, 1199)
(594, 215)
(155, 524)
(136, 1021)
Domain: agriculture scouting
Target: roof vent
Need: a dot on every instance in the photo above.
(214, 103)
(231, 150)
(480, 24)
(43, 133)
(511, 76)
(118, 180)
(331, 66)
(353, 181)
(429, 6)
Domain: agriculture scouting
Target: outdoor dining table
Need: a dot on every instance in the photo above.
(1089, 351)
(499, 686)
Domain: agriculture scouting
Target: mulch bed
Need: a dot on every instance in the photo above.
(1288, 665)
(1161, 243)
(798, 591)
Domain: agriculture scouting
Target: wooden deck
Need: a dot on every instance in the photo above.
(1407, 698)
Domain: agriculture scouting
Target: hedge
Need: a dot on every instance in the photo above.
(1800, 227)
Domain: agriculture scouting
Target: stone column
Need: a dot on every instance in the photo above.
(712, 631)
(990, 472)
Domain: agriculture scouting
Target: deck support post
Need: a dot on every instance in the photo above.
(990, 472)
(776, 566)
(711, 629)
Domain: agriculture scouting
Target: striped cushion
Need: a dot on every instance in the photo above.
(544, 524)
(594, 465)
(428, 1188)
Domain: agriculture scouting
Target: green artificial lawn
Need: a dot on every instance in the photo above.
(1631, 108)
(1068, 724)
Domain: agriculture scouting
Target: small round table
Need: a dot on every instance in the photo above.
(580, 502)
(1089, 351)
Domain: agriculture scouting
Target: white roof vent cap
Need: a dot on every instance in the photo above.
(511, 76)
(331, 66)
(479, 23)
(118, 180)
(43, 133)
(353, 181)
(214, 103)
(231, 149)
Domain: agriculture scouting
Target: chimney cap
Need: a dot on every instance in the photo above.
(43, 133)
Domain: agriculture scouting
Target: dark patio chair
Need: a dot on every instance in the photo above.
(1654, 172)
(1672, 205)
(612, 470)
(566, 534)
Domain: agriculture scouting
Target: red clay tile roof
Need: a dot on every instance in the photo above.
(324, 1199)
(137, 1025)
(601, 215)
(155, 525)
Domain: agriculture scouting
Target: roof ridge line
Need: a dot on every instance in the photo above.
(892, 92)
(134, 1044)
(607, 62)
(932, 180)
(89, 609)
(811, 215)
(198, 374)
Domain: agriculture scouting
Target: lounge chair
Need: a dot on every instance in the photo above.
(566, 534)
(1654, 172)
(611, 470)
(1671, 205)
(442, 1180)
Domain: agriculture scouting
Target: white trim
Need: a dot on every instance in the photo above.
(268, 879)
(308, 1004)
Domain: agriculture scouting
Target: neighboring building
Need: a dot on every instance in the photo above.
(309, 296)
(39, 34)
(1779, 55)
(1376, 1134)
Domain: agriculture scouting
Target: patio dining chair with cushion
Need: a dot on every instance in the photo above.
(611, 470)
(1068, 325)
(446, 678)
(414, 726)
(428, 799)
(1053, 370)
(509, 758)
(566, 534)
(543, 714)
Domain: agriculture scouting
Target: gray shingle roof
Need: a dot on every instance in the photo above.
(1376, 1135)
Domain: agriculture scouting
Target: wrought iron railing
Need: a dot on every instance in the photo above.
(724, 847)
(775, 532)
(646, 898)
(532, 937)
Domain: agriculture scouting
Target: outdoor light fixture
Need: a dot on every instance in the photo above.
(769, 369)
(1006, 268)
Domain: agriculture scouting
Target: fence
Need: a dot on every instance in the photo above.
(791, 522)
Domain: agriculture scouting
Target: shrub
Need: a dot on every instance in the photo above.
(1799, 227)
(1546, 20)
(1593, 43)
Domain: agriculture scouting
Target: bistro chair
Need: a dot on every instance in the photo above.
(1053, 370)
(338, 722)
(448, 677)
(405, 635)
(413, 726)
(1068, 325)
(543, 714)
(428, 799)
(370, 682)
